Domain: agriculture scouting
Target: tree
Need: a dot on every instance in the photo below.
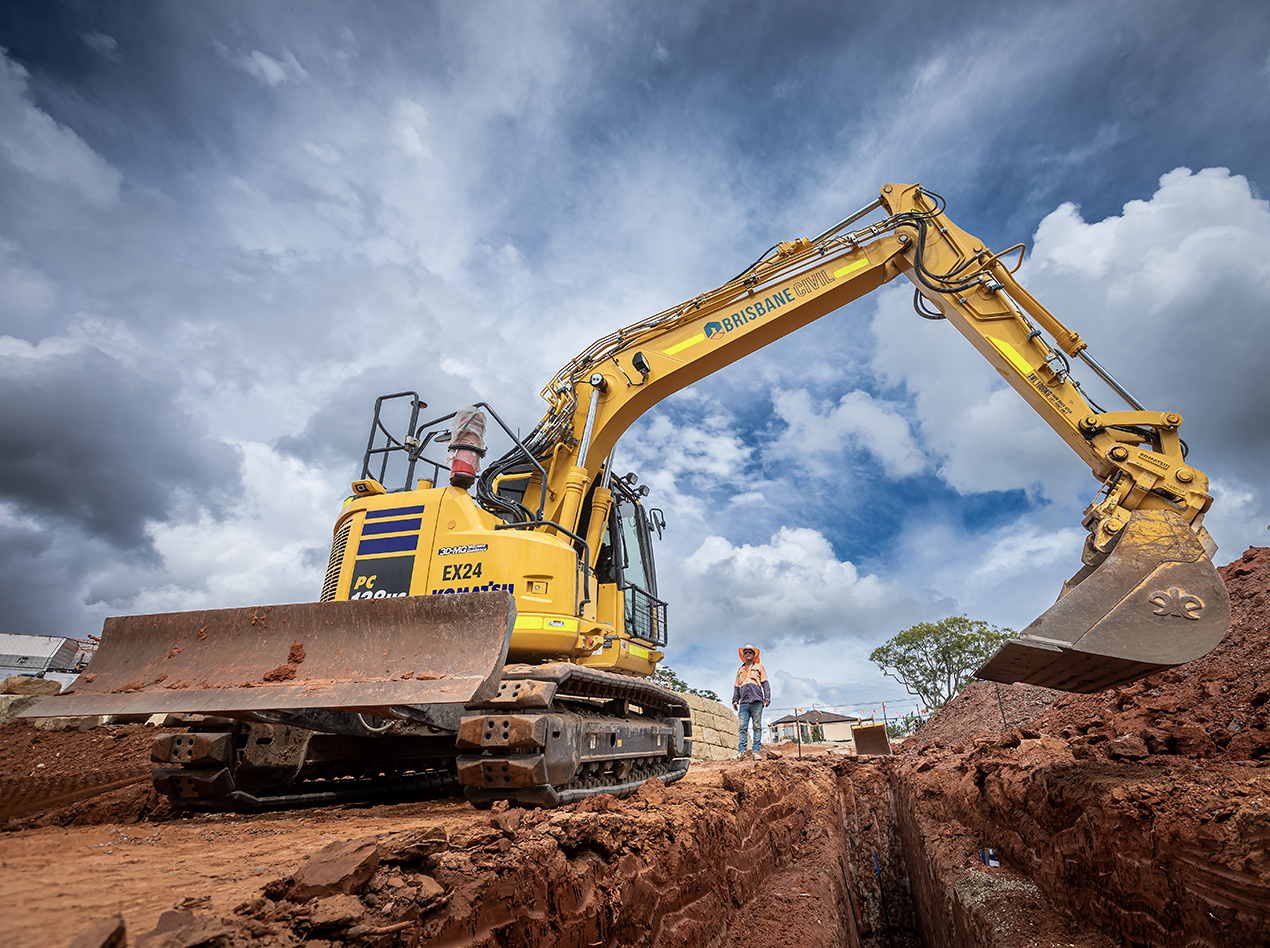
(934, 660)
(666, 677)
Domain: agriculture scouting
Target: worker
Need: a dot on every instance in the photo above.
(750, 696)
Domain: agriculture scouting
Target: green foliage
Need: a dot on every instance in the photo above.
(666, 677)
(902, 727)
(934, 660)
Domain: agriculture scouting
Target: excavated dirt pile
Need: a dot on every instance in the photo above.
(1141, 810)
(1133, 817)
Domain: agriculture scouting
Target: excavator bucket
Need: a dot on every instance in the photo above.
(366, 655)
(1155, 602)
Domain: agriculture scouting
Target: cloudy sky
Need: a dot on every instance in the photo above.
(225, 228)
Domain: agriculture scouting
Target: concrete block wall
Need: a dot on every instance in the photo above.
(714, 728)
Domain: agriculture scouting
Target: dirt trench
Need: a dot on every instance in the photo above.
(1134, 817)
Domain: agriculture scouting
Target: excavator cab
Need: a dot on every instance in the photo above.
(630, 549)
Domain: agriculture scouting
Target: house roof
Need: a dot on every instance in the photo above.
(34, 653)
(816, 717)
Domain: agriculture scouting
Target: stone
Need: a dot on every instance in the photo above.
(1156, 740)
(429, 890)
(104, 933)
(25, 685)
(168, 922)
(1191, 741)
(475, 838)
(1127, 748)
(416, 845)
(201, 933)
(509, 821)
(653, 792)
(67, 724)
(13, 705)
(337, 911)
(344, 867)
(183, 930)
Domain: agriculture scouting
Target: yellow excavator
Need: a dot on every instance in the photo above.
(496, 629)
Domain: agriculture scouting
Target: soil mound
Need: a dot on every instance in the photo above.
(1141, 809)
(1212, 708)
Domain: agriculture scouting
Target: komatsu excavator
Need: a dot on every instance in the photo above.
(503, 642)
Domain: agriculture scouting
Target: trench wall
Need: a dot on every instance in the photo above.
(714, 729)
(678, 867)
(1151, 856)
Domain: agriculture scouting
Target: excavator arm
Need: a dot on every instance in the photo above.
(1147, 596)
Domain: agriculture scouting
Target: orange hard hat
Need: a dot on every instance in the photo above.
(742, 650)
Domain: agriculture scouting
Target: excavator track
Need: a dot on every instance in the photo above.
(255, 766)
(553, 734)
(557, 733)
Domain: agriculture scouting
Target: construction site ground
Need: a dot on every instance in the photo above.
(1136, 816)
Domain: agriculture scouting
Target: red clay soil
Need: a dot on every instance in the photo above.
(1142, 810)
(1134, 817)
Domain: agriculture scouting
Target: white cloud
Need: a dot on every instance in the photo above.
(792, 585)
(36, 146)
(685, 463)
(268, 70)
(985, 436)
(272, 548)
(411, 128)
(817, 435)
(1171, 296)
(107, 46)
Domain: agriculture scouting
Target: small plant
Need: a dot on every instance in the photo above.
(902, 727)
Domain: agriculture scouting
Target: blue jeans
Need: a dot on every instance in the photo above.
(750, 713)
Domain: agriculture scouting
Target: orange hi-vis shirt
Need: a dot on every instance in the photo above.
(751, 685)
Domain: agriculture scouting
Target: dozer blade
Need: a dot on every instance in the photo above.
(364, 655)
(1155, 602)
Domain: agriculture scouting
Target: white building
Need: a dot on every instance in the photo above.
(814, 725)
(49, 656)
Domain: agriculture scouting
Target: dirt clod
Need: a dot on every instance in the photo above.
(108, 932)
(342, 867)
